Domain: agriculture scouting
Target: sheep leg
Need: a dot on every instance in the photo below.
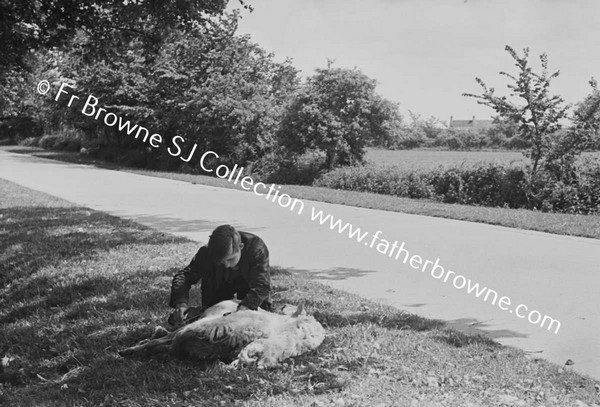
(148, 345)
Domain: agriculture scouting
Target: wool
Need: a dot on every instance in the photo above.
(251, 337)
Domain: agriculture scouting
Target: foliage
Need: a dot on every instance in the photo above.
(487, 184)
(408, 138)
(538, 114)
(67, 138)
(586, 119)
(30, 25)
(431, 127)
(432, 133)
(30, 142)
(208, 85)
(10, 85)
(101, 46)
(416, 133)
(221, 91)
(459, 139)
(504, 133)
(338, 113)
(281, 168)
(386, 123)
(20, 127)
(578, 193)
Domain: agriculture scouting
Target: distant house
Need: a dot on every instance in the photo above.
(470, 124)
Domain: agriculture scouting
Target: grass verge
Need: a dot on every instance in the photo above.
(76, 285)
(556, 223)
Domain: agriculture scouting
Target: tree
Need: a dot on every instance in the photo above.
(221, 91)
(504, 133)
(94, 31)
(336, 112)
(586, 118)
(386, 123)
(34, 24)
(538, 113)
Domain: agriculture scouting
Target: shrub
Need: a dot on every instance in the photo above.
(19, 128)
(279, 168)
(589, 184)
(408, 138)
(578, 194)
(497, 140)
(6, 142)
(66, 138)
(30, 142)
(517, 143)
(486, 184)
(380, 180)
(53, 142)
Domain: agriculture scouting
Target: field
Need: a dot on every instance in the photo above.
(424, 159)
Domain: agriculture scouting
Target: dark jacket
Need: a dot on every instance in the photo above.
(250, 280)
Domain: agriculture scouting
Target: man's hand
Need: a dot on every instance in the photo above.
(242, 308)
(180, 313)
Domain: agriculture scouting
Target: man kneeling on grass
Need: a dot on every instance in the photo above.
(233, 263)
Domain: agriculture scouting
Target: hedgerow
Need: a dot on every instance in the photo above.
(483, 184)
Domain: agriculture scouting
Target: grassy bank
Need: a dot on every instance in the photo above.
(77, 285)
(562, 224)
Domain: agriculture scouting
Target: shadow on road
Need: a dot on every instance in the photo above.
(335, 273)
(472, 326)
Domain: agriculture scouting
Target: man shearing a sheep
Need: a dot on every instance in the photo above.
(232, 263)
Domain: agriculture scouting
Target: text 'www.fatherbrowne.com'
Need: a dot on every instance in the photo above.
(398, 251)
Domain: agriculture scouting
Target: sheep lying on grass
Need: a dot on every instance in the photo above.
(260, 337)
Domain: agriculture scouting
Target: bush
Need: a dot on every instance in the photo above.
(279, 168)
(485, 184)
(30, 142)
(53, 142)
(380, 180)
(6, 142)
(66, 138)
(408, 138)
(19, 128)
(461, 139)
(589, 184)
(580, 194)
(497, 139)
(517, 143)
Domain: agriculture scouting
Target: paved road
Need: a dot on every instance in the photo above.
(555, 275)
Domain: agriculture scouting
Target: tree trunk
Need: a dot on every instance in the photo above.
(330, 159)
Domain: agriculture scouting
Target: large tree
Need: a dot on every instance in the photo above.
(95, 31)
(221, 91)
(337, 112)
(205, 84)
(33, 24)
(530, 105)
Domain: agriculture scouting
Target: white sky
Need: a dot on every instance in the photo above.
(426, 53)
